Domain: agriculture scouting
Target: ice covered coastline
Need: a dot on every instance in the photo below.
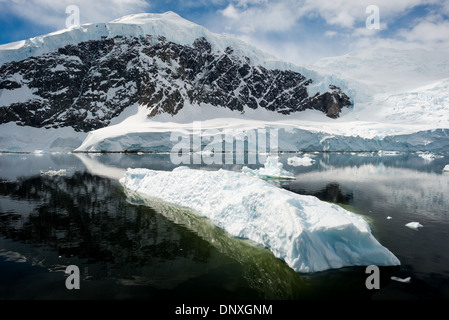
(306, 233)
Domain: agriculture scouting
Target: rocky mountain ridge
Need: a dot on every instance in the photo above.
(85, 85)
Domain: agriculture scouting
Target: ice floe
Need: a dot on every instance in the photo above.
(272, 169)
(306, 233)
(414, 225)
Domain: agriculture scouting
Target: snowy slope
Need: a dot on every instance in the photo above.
(379, 75)
(387, 70)
(309, 133)
(426, 104)
(306, 233)
(400, 103)
(169, 25)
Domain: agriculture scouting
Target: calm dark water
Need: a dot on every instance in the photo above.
(129, 248)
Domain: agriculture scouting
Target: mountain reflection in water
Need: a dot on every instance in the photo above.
(130, 247)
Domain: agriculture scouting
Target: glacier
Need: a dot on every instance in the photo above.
(136, 134)
(307, 234)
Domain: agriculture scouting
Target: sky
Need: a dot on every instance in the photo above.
(298, 31)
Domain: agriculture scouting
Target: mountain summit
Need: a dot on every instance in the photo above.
(86, 76)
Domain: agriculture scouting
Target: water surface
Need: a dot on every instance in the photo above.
(129, 247)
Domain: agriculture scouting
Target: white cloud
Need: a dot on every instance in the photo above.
(246, 3)
(279, 15)
(267, 17)
(291, 51)
(428, 33)
(277, 26)
(331, 33)
(346, 13)
(231, 12)
(335, 25)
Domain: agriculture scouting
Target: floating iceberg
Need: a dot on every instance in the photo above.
(308, 234)
(298, 161)
(406, 280)
(446, 168)
(271, 169)
(429, 156)
(414, 225)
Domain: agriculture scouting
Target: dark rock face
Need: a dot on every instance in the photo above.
(86, 85)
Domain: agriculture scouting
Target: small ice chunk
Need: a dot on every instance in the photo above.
(446, 168)
(298, 161)
(181, 168)
(406, 280)
(414, 225)
(427, 156)
(39, 153)
(272, 169)
(389, 218)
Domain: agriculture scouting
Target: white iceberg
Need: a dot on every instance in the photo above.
(300, 161)
(446, 168)
(308, 234)
(272, 169)
(429, 156)
(414, 225)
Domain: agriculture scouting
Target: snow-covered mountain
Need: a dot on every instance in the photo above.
(84, 77)
(400, 103)
(128, 84)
